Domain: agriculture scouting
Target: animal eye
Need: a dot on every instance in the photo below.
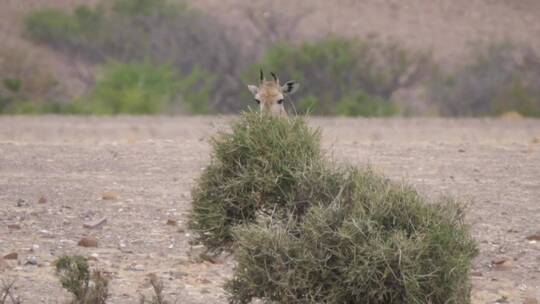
(280, 101)
(258, 101)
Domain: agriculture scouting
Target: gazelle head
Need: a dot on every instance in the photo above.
(269, 94)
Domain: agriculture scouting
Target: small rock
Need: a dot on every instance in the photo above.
(42, 200)
(31, 260)
(461, 150)
(172, 222)
(11, 256)
(534, 237)
(95, 224)
(35, 247)
(88, 241)
(477, 274)
(20, 202)
(46, 234)
(14, 226)
(501, 264)
(178, 274)
(110, 196)
(529, 300)
(136, 267)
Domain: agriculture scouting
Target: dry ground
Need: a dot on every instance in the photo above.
(151, 163)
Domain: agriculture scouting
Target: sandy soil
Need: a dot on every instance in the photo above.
(151, 163)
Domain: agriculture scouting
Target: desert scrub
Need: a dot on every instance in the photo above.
(380, 243)
(257, 167)
(75, 276)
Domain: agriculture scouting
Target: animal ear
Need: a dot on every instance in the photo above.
(253, 89)
(290, 87)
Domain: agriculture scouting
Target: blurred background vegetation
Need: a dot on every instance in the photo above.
(195, 57)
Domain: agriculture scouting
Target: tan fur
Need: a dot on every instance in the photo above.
(270, 96)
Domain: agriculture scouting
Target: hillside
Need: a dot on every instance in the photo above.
(445, 28)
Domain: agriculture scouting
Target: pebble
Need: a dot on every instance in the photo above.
(31, 260)
(11, 256)
(95, 224)
(110, 196)
(14, 226)
(88, 241)
(137, 267)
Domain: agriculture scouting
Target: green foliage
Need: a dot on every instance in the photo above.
(519, 97)
(307, 233)
(499, 78)
(12, 84)
(255, 168)
(336, 69)
(157, 31)
(52, 25)
(144, 88)
(375, 241)
(26, 85)
(75, 277)
(362, 104)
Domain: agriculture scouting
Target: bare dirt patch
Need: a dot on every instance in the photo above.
(59, 173)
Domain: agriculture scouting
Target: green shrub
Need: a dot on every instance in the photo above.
(362, 104)
(26, 84)
(379, 243)
(75, 276)
(499, 78)
(336, 69)
(158, 31)
(255, 168)
(52, 26)
(143, 88)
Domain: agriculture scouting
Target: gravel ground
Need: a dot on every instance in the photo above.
(55, 172)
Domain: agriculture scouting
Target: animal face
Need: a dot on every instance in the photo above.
(269, 94)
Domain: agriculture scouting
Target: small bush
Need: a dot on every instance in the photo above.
(336, 69)
(75, 277)
(146, 89)
(362, 104)
(254, 169)
(380, 243)
(26, 84)
(499, 78)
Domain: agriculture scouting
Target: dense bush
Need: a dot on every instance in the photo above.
(254, 168)
(362, 104)
(160, 32)
(146, 89)
(335, 69)
(380, 243)
(26, 84)
(498, 78)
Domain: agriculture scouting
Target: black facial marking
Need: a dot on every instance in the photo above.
(280, 101)
(258, 101)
